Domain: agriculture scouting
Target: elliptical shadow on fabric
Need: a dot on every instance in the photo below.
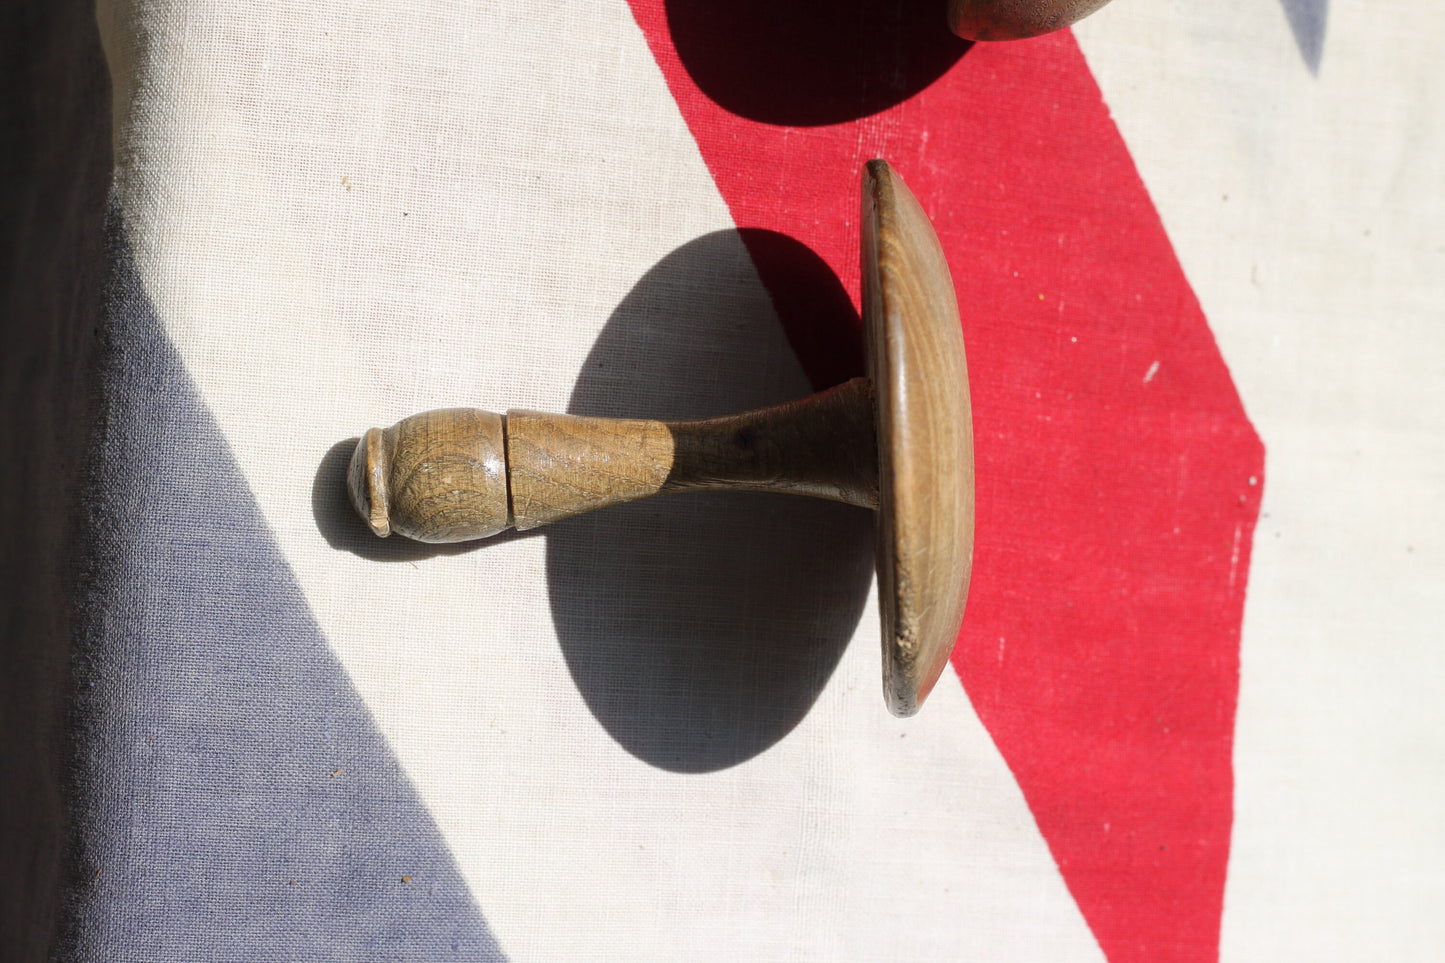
(701, 628)
(812, 63)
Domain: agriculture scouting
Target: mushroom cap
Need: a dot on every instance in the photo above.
(914, 343)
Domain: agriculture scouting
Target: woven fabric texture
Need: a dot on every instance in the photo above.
(1195, 710)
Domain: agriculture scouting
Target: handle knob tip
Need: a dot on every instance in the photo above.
(366, 480)
(440, 476)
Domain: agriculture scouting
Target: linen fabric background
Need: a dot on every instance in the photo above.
(1195, 711)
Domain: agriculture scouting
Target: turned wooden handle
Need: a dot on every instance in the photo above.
(460, 474)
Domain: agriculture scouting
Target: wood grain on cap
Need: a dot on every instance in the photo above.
(925, 438)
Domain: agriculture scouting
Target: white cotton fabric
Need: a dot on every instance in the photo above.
(343, 215)
(346, 213)
(1306, 211)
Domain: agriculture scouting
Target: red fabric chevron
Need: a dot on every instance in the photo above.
(1119, 479)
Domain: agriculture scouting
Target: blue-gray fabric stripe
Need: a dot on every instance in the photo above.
(234, 799)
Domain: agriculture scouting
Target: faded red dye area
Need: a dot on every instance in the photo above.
(1118, 477)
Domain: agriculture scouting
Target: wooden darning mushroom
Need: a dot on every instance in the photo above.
(1015, 19)
(899, 441)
